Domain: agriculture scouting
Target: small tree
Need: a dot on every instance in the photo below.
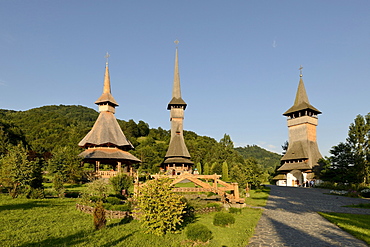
(99, 216)
(58, 184)
(121, 183)
(216, 168)
(225, 171)
(206, 170)
(160, 210)
(98, 190)
(20, 174)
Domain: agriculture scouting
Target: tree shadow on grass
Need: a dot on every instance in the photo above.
(25, 205)
(122, 222)
(70, 240)
(115, 242)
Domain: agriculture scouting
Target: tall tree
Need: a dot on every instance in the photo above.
(18, 173)
(358, 141)
(225, 171)
(206, 169)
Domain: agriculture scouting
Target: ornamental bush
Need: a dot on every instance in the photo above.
(223, 219)
(99, 216)
(198, 232)
(159, 208)
(235, 210)
(121, 183)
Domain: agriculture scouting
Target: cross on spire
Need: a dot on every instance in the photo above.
(176, 42)
(300, 68)
(106, 57)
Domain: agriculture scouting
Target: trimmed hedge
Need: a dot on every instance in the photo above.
(223, 219)
(198, 232)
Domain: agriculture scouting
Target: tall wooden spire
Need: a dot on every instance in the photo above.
(176, 90)
(106, 101)
(177, 157)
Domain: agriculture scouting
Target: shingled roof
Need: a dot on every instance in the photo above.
(108, 153)
(177, 147)
(106, 131)
(301, 101)
(106, 96)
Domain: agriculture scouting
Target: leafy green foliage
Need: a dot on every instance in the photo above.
(223, 219)
(160, 210)
(97, 190)
(53, 132)
(235, 210)
(350, 161)
(225, 171)
(99, 216)
(19, 174)
(121, 183)
(65, 160)
(58, 184)
(198, 232)
(267, 159)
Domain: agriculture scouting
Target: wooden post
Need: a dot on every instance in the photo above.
(119, 166)
(236, 191)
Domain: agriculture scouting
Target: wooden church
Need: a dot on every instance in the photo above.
(300, 160)
(106, 146)
(177, 160)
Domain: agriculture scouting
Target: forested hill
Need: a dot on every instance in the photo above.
(268, 159)
(50, 129)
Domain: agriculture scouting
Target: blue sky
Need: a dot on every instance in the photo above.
(238, 61)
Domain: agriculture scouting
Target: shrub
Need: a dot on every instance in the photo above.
(95, 191)
(223, 219)
(36, 193)
(99, 216)
(235, 210)
(125, 207)
(121, 183)
(58, 184)
(72, 194)
(160, 209)
(198, 232)
(113, 200)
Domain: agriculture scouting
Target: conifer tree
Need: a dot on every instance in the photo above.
(206, 169)
(99, 216)
(225, 171)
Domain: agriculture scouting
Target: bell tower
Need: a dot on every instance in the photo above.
(303, 152)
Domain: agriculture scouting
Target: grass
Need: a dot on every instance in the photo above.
(361, 205)
(356, 224)
(258, 198)
(56, 222)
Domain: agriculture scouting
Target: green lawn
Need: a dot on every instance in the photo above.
(258, 198)
(356, 224)
(56, 222)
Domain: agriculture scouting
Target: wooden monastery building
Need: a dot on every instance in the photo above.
(106, 144)
(177, 160)
(302, 155)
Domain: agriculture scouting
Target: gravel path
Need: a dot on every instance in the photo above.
(290, 219)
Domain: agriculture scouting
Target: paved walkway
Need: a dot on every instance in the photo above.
(290, 219)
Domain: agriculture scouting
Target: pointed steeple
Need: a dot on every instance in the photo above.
(301, 101)
(106, 97)
(176, 90)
